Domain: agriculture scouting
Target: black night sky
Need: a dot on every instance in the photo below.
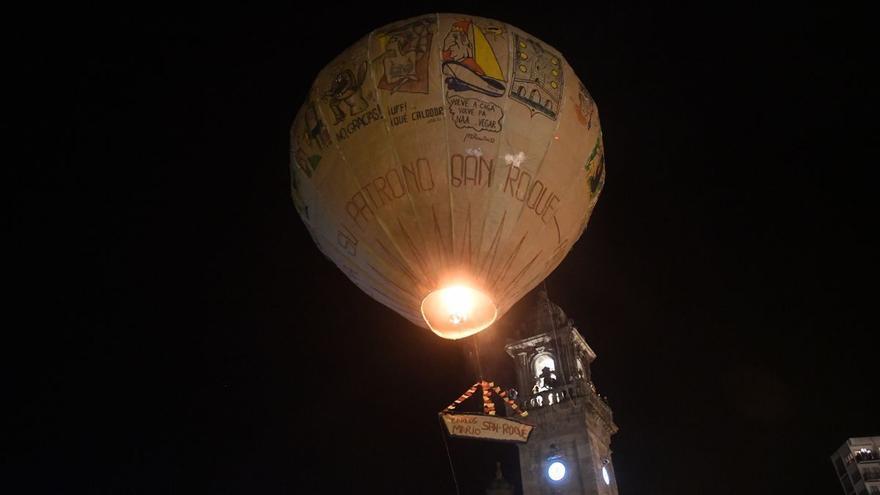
(184, 334)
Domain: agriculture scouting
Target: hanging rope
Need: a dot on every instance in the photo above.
(448, 455)
(477, 357)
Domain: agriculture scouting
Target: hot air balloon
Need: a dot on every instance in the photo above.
(447, 164)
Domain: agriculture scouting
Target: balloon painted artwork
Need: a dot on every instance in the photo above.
(447, 164)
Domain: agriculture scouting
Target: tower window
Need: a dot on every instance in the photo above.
(543, 360)
(544, 368)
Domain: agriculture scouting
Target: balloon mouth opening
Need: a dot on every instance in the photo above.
(458, 311)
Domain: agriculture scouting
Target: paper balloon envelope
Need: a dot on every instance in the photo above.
(446, 164)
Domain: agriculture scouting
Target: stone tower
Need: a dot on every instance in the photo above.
(569, 451)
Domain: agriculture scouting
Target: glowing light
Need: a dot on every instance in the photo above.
(544, 360)
(458, 302)
(458, 311)
(605, 475)
(556, 471)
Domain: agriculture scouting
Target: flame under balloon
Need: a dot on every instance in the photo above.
(458, 311)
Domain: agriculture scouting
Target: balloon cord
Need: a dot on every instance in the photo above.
(477, 357)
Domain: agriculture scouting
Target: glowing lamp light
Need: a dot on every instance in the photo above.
(605, 475)
(458, 311)
(556, 471)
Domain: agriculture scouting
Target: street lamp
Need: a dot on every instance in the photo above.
(556, 466)
(556, 470)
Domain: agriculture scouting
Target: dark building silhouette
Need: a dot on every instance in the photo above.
(499, 485)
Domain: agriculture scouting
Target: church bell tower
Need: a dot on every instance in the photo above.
(569, 452)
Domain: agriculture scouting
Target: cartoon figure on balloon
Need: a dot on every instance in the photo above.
(346, 93)
(404, 57)
(469, 62)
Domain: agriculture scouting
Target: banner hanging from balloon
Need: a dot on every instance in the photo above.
(486, 426)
